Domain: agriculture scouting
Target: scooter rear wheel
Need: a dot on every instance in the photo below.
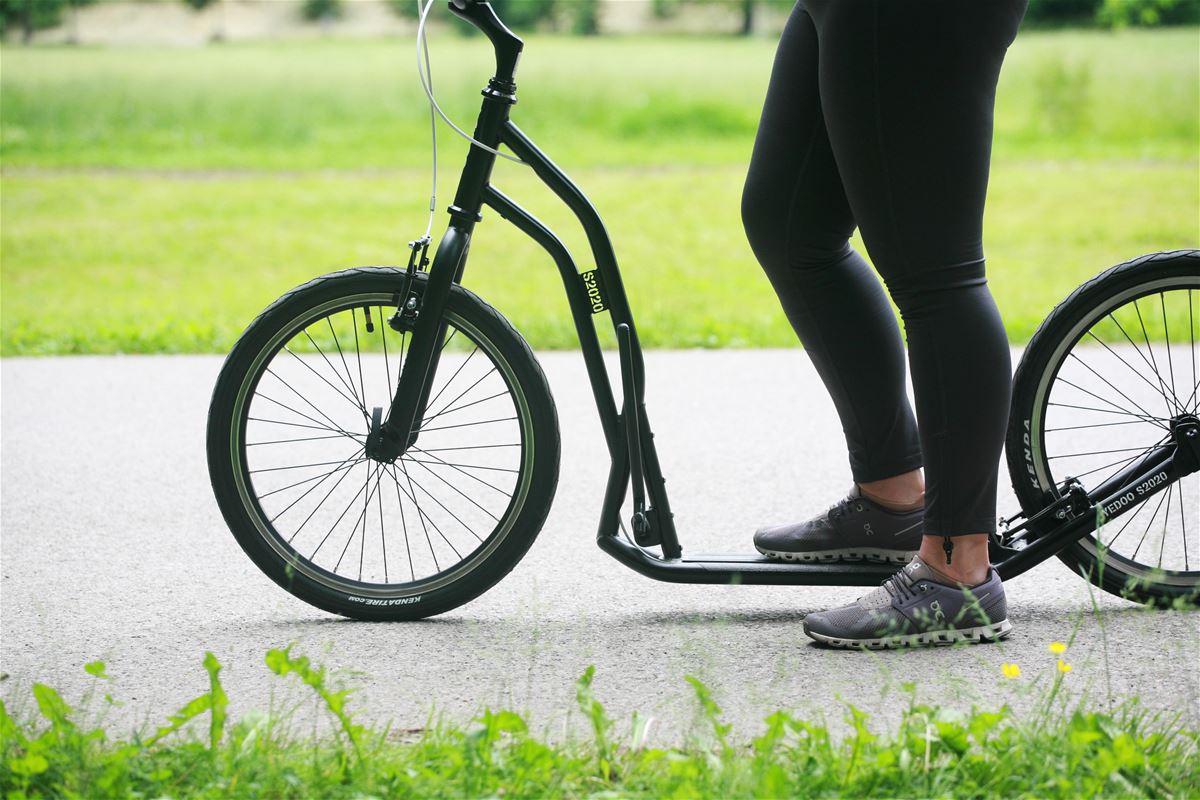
(1099, 385)
(364, 538)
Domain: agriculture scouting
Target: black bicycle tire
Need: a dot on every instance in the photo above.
(529, 518)
(1081, 557)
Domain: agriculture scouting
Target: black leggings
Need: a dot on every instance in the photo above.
(879, 114)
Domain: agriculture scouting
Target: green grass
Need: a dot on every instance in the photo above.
(147, 264)
(605, 101)
(1057, 750)
(155, 200)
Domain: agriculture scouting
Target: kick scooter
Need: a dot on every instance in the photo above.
(383, 443)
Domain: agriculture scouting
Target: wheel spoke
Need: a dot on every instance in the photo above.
(1153, 361)
(443, 507)
(420, 515)
(412, 568)
(1158, 389)
(358, 355)
(354, 436)
(367, 493)
(1162, 302)
(1192, 339)
(343, 465)
(412, 497)
(334, 369)
(1132, 516)
(466, 497)
(470, 447)
(452, 377)
(293, 390)
(325, 502)
(1139, 417)
(318, 506)
(345, 470)
(459, 465)
(293, 441)
(362, 403)
(439, 461)
(337, 522)
(468, 405)
(309, 367)
(1147, 416)
(460, 396)
(1095, 425)
(293, 466)
(468, 424)
(1162, 544)
(1127, 461)
(1183, 524)
(1150, 524)
(382, 531)
(383, 326)
(1098, 452)
(316, 422)
(1138, 350)
(1122, 464)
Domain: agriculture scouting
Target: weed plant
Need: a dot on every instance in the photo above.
(1061, 749)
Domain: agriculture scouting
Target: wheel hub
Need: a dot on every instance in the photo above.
(380, 446)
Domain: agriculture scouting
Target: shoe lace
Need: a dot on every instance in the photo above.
(842, 507)
(900, 586)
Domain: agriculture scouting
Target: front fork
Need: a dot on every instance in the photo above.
(425, 315)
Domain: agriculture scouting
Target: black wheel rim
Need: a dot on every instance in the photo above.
(1111, 391)
(384, 533)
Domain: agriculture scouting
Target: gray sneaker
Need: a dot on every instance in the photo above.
(853, 529)
(911, 608)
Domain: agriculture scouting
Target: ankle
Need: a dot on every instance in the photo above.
(894, 501)
(904, 492)
(968, 565)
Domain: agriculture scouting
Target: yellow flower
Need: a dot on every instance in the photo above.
(1063, 666)
(1010, 670)
(1057, 648)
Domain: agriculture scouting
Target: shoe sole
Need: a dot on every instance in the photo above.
(980, 634)
(873, 554)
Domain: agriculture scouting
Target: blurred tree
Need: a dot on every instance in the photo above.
(524, 14)
(519, 14)
(747, 9)
(404, 8)
(199, 5)
(1062, 12)
(585, 17)
(1119, 13)
(1113, 13)
(662, 9)
(34, 15)
(316, 10)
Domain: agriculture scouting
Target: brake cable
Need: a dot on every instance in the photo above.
(425, 72)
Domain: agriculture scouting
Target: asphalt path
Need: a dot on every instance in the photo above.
(112, 548)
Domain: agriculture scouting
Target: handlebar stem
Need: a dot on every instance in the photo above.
(507, 44)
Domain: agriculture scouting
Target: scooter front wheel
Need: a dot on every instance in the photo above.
(371, 539)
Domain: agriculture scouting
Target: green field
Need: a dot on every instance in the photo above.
(155, 200)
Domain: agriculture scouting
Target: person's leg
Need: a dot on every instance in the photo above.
(908, 90)
(798, 223)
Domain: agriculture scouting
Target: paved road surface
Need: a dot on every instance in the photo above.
(113, 549)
